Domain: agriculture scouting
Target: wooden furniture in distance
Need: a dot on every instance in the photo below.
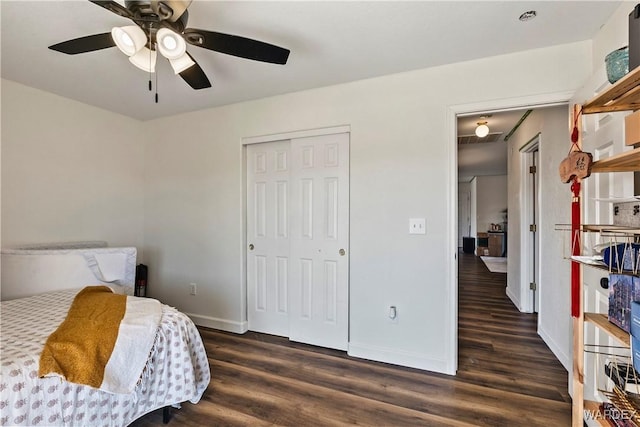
(496, 244)
(482, 244)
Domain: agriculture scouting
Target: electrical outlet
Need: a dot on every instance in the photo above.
(193, 288)
(417, 226)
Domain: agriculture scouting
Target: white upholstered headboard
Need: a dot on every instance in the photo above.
(27, 272)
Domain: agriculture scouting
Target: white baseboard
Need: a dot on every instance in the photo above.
(514, 300)
(402, 358)
(222, 324)
(564, 358)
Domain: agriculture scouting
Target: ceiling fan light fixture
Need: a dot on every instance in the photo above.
(181, 64)
(129, 39)
(482, 130)
(145, 59)
(170, 44)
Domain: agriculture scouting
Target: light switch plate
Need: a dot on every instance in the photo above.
(417, 226)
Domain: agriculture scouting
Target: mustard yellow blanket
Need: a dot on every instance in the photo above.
(104, 342)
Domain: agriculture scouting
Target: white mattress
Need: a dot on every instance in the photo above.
(27, 272)
(177, 370)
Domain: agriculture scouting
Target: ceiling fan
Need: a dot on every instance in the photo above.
(162, 26)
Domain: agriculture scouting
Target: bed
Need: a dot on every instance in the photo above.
(175, 371)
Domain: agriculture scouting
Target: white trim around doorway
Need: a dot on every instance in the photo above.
(526, 217)
(453, 112)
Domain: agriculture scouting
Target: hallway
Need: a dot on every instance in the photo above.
(499, 347)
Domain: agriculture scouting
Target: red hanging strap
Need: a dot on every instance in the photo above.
(575, 134)
(575, 267)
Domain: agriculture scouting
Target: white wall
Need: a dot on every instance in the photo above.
(613, 35)
(554, 319)
(400, 168)
(491, 201)
(70, 172)
(83, 181)
(76, 175)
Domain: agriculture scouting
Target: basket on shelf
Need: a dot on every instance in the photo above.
(627, 404)
(620, 384)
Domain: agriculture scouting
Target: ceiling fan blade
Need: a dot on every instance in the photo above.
(114, 7)
(171, 10)
(84, 44)
(195, 76)
(237, 46)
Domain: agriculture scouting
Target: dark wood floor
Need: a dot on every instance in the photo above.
(507, 376)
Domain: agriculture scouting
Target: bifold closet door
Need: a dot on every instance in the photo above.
(319, 280)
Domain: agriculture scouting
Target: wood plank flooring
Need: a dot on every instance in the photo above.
(506, 376)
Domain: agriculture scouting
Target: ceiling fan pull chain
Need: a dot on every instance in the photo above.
(150, 63)
(156, 86)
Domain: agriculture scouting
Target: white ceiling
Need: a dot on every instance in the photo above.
(486, 158)
(330, 43)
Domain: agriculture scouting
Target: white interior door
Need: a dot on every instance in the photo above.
(268, 245)
(298, 239)
(319, 291)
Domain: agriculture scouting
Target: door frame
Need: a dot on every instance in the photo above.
(453, 112)
(527, 254)
(243, 244)
(468, 228)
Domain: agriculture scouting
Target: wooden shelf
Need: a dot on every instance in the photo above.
(628, 161)
(601, 266)
(606, 229)
(601, 321)
(611, 229)
(623, 95)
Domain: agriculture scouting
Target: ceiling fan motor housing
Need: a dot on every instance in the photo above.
(151, 16)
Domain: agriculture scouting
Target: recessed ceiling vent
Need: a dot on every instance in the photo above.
(474, 139)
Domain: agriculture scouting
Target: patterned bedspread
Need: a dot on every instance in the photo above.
(177, 370)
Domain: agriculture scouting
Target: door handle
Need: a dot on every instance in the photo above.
(342, 252)
(251, 246)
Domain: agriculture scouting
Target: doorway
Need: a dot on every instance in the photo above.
(530, 214)
(456, 112)
(464, 218)
(297, 248)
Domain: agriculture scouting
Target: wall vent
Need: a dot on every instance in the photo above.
(473, 139)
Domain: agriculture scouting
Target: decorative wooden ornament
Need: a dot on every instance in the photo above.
(576, 165)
